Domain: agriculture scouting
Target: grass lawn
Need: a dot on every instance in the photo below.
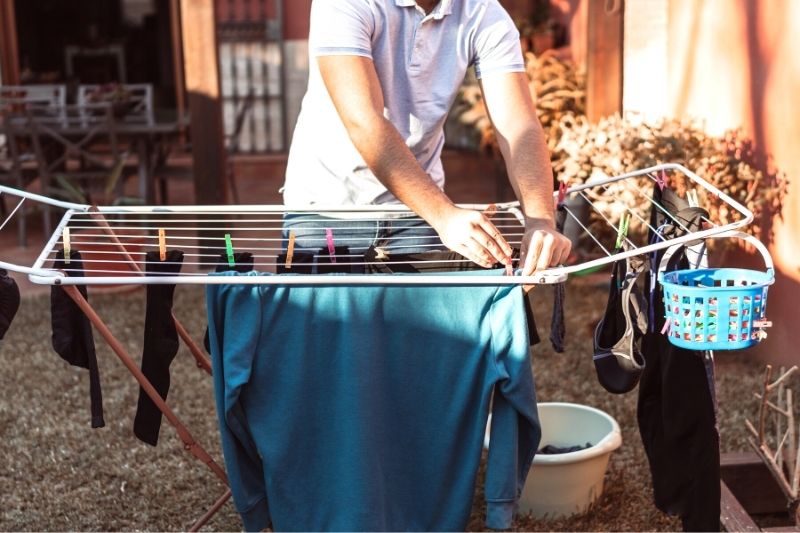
(59, 474)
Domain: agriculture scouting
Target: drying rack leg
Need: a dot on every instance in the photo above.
(199, 357)
(211, 512)
(189, 443)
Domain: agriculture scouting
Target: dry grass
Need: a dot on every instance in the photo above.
(59, 474)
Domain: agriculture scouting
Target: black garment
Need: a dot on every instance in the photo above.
(617, 358)
(558, 326)
(9, 301)
(72, 333)
(160, 343)
(302, 263)
(676, 412)
(242, 262)
(440, 261)
(551, 449)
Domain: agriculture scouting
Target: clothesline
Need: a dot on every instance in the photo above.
(116, 239)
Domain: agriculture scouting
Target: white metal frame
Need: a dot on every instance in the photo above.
(40, 274)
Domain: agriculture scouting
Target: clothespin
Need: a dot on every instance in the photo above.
(290, 251)
(67, 245)
(509, 269)
(162, 244)
(331, 246)
(691, 197)
(490, 211)
(661, 180)
(622, 232)
(229, 250)
(380, 253)
(562, 193)
(667, 327)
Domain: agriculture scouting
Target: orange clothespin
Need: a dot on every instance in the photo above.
(67, 245)
(162, 244)
(490, 211)
(290, 251)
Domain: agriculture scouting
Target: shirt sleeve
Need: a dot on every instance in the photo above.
(515, 432)
(341, 27)
(496, 44)
(234, 314)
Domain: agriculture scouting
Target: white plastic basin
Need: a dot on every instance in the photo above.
(566, 484)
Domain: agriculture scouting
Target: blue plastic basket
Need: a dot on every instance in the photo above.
(717, 308)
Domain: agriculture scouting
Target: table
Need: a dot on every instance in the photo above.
(76, 135)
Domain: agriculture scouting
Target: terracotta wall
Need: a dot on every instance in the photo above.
(728, 63)
(736, 63)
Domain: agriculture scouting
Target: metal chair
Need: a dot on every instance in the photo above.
(48, 100)
(137, 108)
(74, 160)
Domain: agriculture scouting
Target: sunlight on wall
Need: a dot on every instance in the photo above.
(731, 64)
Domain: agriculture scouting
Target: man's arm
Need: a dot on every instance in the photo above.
(355, 90)
(524, 149)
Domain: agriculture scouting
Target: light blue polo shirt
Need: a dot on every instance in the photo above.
(421, 60)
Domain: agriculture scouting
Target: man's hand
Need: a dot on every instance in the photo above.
(472, 235)
(542, 247)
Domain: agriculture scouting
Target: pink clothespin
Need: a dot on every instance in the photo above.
(331, 246)
(661, 180)
(667, 327)
(509, 269)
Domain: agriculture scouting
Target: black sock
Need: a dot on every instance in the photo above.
(160, 344)
(558, 328)
(243, 262)
(72, 333)
(9, 301)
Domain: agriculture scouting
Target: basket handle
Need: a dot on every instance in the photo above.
(735, 234)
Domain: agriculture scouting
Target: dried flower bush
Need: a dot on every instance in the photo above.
(616, 145)
(557, 88)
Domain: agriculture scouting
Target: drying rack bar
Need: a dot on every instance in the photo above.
(257, 229)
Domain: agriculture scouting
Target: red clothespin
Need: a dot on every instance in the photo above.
(331, 246)
(562, 193)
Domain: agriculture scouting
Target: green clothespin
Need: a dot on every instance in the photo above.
(622, 232)
(229, 250)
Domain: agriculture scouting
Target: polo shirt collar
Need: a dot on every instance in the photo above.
(445, 7)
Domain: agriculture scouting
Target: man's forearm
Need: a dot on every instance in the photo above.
(387, 155)
(529, 170)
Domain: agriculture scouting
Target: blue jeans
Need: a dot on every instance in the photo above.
(396, 235)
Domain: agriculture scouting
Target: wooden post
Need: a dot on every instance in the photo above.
(9, 51)
(604, 58)
(201, 69)
(177, 53)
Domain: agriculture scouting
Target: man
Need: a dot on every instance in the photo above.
(383, 76)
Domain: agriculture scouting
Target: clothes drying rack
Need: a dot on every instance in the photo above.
(120, 237)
